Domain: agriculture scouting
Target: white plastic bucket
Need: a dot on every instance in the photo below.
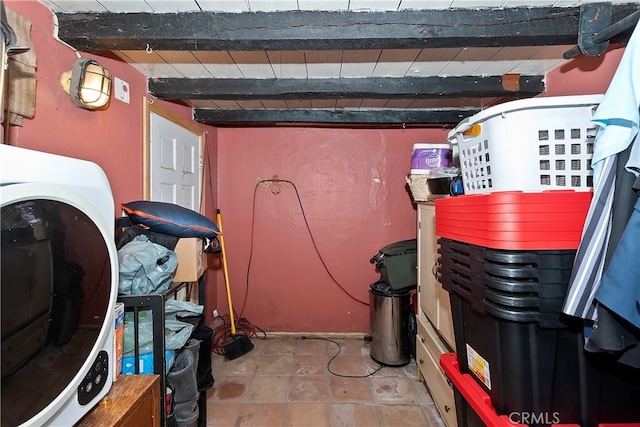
(426, 157)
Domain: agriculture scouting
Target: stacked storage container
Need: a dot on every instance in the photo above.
(507, 248)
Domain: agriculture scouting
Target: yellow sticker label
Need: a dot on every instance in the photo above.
(479, 366)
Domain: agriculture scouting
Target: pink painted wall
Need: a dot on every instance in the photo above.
(112, 138)
(350, 181)
(584, 75)
(351, 215)
(351, 184)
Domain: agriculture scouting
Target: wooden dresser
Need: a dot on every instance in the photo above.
(435, 324)
(132, 401)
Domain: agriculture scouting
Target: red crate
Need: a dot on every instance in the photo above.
(514, 219)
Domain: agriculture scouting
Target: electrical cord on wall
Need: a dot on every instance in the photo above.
(336, 355)
(313, 241)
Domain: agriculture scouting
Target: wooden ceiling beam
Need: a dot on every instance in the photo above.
(319, 30)
(377, 118)
(348, 88)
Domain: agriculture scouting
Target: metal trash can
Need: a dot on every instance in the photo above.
(389, 324)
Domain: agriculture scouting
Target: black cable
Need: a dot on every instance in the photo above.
(336, 355)
(253, 217)
(313, 241)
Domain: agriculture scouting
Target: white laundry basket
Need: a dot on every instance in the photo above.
(529, 145)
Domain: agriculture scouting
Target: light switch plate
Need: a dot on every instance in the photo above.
(121, 90)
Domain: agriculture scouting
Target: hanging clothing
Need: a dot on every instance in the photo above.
(589, 262)
(617, 330)
(618, 118)
(620, 286)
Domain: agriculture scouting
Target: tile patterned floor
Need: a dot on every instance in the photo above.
(286, 382)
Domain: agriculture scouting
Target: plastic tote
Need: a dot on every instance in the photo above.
(517, 347)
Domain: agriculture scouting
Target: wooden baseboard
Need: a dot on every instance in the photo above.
(327, 335)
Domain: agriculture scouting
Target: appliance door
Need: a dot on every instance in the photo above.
(58, 285)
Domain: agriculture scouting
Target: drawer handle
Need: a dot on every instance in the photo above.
(447, 408)
(421, 361)
(423, 340)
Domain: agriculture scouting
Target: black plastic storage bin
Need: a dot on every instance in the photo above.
(522, 286)
(541, 373)
(513, 340)
(523, 367)
(465, 414)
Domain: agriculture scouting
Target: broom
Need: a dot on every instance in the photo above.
(240, 344)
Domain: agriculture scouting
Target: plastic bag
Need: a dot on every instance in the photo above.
(145, 333)
(145, 267)
(445, 172)
(176, 333)
(174, 308)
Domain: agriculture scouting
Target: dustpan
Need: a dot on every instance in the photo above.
(238, 343)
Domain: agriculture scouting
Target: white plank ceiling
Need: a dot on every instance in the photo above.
(261, 64)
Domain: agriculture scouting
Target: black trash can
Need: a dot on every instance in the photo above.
(389, 312)
(397, 264)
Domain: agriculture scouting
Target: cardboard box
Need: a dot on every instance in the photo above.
(118, 339)
(192, 261)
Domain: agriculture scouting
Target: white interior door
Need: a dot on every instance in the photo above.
(175, 165)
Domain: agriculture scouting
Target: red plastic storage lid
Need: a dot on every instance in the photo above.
(514, 219)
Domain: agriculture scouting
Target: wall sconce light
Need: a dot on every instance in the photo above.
(88, 84)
